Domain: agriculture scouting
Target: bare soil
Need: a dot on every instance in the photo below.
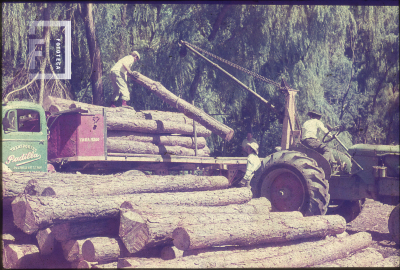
(374, 220)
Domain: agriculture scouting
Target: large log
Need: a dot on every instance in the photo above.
(32, 213)
(391, 261)
(138, 231)
(305, 254)
(72, 250)
(98, 185)
(188, 109)
(54, 105)
(183, 141)
(252, 233)
(45, 239)
(168, 116)
(254, 206)
(101, 249)
(21, 256)
(154, 126)
(365, 258)
(127, 146)
(75, 230)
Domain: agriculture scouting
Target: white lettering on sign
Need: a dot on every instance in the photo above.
(89, 139)
(27, 146)
(27, 158)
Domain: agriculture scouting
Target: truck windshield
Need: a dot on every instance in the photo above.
(21, 120)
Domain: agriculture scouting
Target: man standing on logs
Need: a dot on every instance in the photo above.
(119, 78)
(250, 146)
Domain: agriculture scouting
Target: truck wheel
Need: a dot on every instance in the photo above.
(291, 181)
(393, 224)
(347, 209)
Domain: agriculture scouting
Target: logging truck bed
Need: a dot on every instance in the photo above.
(156, 158)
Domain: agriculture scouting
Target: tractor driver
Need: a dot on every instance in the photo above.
(311, 130)
(119, 78)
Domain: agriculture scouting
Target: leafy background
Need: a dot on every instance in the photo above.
(344, 60)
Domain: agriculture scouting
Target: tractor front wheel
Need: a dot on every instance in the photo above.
(294, 182)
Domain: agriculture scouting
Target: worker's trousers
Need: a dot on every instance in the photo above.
(118, 81)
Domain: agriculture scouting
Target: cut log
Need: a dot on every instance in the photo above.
(305, 254)
(168, 116)
(184, 141)
(97, 185)
(254, 206)
(32, 213)
(364, 258)
(84, 264)
(154, 126)
(101, 249)
(72, 250)
(188, 109)
(138, 231)
(54, 105)
(171, 252)
(252, 233)
(22, 256)
(45, 239)
(391, 261)
(126, 146)
(75, 230)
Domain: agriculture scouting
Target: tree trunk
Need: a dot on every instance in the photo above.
(251, 233)
(75, 230)
(168, 116)
(139, 231)
(391, 261)
(63, 184)
(111, 265)
(365, 258)
(45, 239)
(101, 249)
(43, 64)
(32, 213)
(126, 146)
(294, 256)
(254, 206)
(154, 126)
(184, 141)
(95, 56)
(188, 109)
(72, 250)
(21, 256)
(218, 22)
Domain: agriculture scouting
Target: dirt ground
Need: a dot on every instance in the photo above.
(374, 219)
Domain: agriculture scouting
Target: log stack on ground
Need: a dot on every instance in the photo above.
(32, 213)
(150, 132)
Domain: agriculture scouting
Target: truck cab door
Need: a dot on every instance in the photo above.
(24, 139)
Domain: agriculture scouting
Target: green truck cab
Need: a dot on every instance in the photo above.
(24, 137)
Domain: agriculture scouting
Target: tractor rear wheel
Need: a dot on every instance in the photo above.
(347, 209)
(294, 182)
(393, 224)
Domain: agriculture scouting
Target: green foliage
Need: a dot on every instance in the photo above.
(344, 60)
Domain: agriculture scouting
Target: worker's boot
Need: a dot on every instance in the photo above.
(126, 105)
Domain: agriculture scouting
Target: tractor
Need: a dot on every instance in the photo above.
(297, 178)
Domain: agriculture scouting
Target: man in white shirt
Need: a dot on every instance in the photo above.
(119, 78)
(311, 129)
(250, 146)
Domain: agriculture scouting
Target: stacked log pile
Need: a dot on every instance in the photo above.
(145, 132)
(203, 224)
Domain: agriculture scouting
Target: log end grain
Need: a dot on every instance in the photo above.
(88, 251)
(45, 240)
(72, 250)
(133, 230)
(23, 215)
(181, 238)
(229, 136)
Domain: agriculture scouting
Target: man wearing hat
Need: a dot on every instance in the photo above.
(119, 78)
(250, 146)
(311, 130)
